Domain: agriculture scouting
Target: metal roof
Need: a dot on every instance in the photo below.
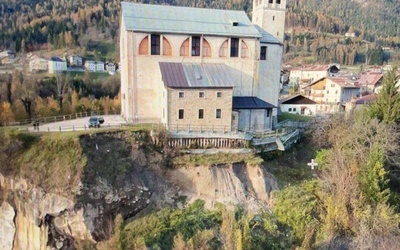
(265, 36)
(196, 75)
(56, 59)
(297, 99)
(186, 20)
(250, 102)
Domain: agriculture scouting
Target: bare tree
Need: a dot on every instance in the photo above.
(25, 88)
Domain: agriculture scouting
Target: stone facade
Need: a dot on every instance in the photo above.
(191, 103)
(141, 80)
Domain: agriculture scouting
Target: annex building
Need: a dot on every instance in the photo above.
(192, 67)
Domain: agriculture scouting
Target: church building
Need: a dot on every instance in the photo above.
(192, 66)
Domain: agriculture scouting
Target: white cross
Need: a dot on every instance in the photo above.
(312, 164)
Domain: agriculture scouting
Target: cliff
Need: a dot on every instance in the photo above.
(59, 190)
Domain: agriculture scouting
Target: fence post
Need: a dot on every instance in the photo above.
(59, 128)
(73, 128)
(48, 129)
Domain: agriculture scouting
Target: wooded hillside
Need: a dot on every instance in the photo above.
(40, 24)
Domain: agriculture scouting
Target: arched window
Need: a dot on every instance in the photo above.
(223, 50)
(144, 46)
(206, 48)
(167, 50)
(245, 50)
(184, 51)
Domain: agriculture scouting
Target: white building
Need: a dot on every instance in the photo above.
(181, 41)
(300, 105)
(332, 94)
(307, 74)
(37, 63)
(56, 65)
(75, 61)
(90, 65)
(99, 66)
(111, 67)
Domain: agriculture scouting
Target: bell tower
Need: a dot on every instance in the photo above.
(270, 15)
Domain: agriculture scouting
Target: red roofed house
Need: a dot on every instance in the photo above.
(370, 79)
(358, 103)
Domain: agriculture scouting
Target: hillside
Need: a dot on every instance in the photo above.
(92, 26)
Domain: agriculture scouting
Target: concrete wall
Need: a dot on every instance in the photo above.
(191, 103)
(254, 119)
(142, 80)
(271, 17)
(310, 109)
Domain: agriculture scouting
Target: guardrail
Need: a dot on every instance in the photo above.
(73, 128)
(59, 118)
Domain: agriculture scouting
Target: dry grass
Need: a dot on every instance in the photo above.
(215, 159)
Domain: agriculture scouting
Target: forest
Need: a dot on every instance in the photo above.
(314, 29)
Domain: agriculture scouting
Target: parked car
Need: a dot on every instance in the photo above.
(101, 120)
(94, 121)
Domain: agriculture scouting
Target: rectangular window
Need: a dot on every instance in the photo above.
(218, 113)
(278, 1)
(219, 94)
(290, 109)
(327, 91)
(263, 53)
(201, 113)
(195, 46)
(201, 94)
(181, 94)
(270, 1)
(336, 92)
(294, 109)
(181, 114)
(155, 44)
(234, 47)
(332, 85)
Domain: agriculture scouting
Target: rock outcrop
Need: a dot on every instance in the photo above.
(120, 176)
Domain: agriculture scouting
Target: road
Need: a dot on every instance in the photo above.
(79, 124)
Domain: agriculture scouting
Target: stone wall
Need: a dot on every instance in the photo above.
(191, 103)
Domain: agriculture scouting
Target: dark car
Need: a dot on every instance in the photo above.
(94, 121)
(101, 120)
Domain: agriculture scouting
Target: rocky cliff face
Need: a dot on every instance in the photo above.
(120, 177)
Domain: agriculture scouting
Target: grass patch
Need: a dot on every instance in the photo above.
(294, 117)
(216, 159)
(290, 167)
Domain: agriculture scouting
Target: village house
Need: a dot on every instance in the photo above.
(56, 65)
(90, 65)
(7, 53)
(331, 94)
(111, 67)
(358, 103)
(192, 66)
(371, 80)
(304, 75)
(37, 63)
(75, 61)
(99, 66)
(300, 105)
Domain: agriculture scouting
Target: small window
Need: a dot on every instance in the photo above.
(219, 94)
(181, 94)
(327, 91)
(155, 44)
(201, 94)
(218, 113)
(263, 53)
(195, 46)
(233, 118)
(290, 109)
(273, 18)
(278, 1)
(332, 85)
(181, 114)
(270, 1)
(336, 92)
(234, 47)
(294, 109)
(201, 113)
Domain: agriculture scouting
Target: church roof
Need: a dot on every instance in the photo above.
(196, 75)
(193, 21)
(250, 102)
